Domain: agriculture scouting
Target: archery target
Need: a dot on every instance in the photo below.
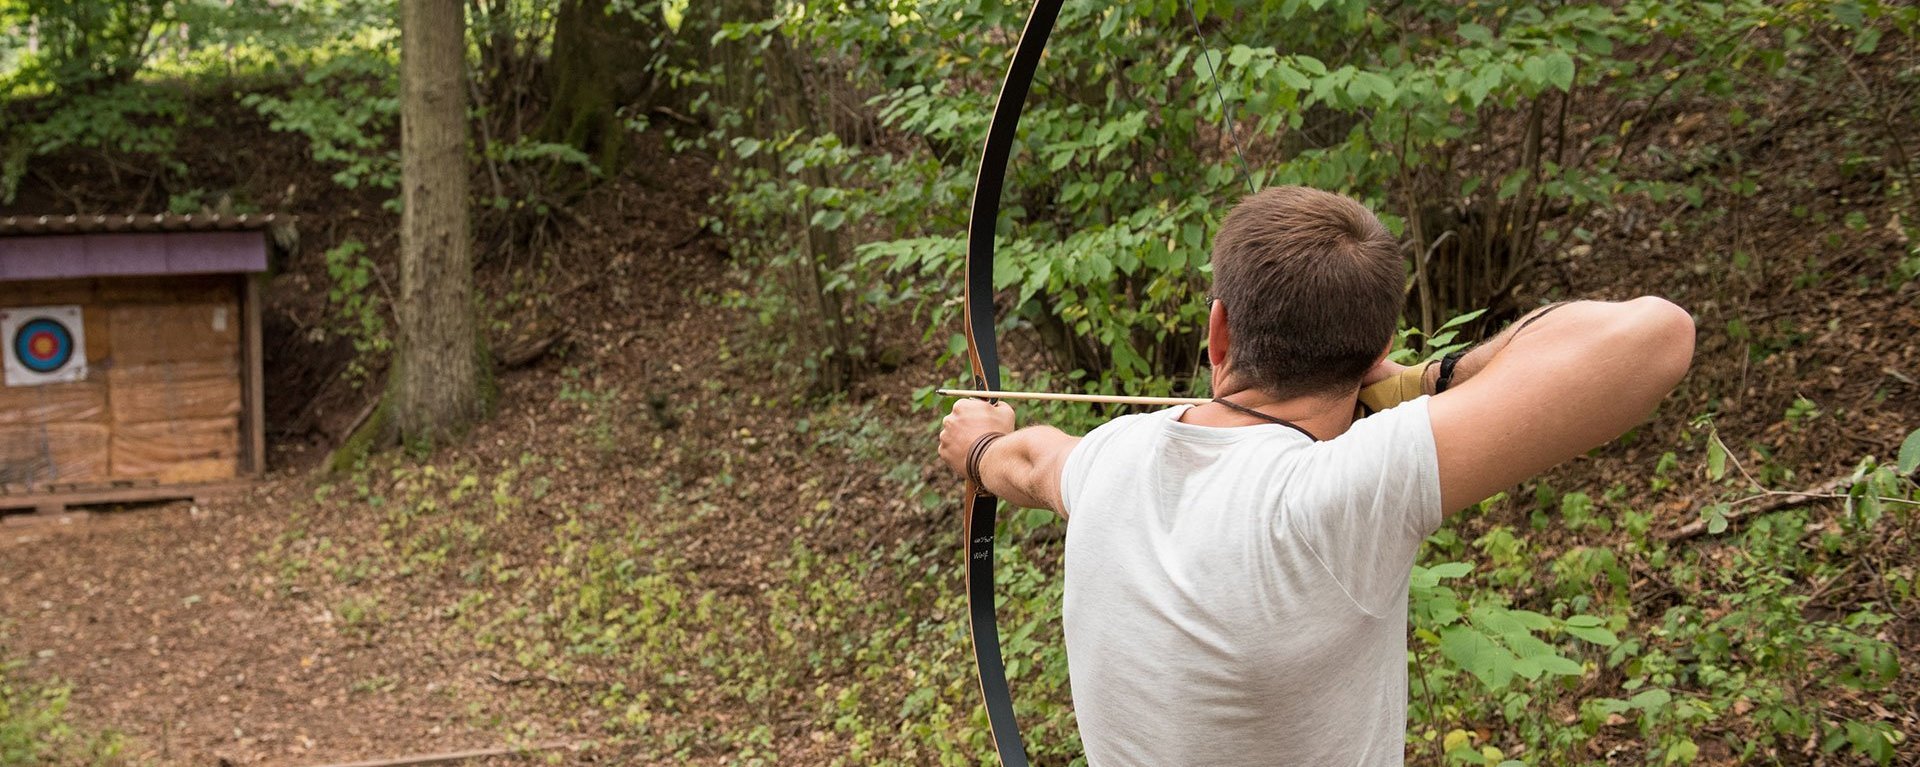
(44, 344)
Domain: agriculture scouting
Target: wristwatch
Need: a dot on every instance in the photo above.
(1446, 371)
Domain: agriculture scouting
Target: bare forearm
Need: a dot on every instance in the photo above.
(1476, 359)
(1554, 388)
(1023, 468)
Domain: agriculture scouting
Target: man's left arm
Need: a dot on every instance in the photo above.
(1022, 467)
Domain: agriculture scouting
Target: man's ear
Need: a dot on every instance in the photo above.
(1217, 339)
(1384, 352)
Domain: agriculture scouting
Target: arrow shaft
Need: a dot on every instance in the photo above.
(1106, 399)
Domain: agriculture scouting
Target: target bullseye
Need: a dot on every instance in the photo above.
(43, 344)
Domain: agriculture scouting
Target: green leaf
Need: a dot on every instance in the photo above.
(1594, 634)
(1559, 70)
(1651, 699)
(1292, 77)
(1379, 84)
(1463, 319)
(829, 219)
(1473, 651)
(1446, 570)
(1475, 33)
(1531, 620)
(1910, 453)
(1557, 664)
(1536, 71)
(1716, 460)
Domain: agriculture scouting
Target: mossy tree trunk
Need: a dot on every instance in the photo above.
(599, 64)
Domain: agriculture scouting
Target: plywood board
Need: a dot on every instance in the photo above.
(150, 333)
(177, 451)
(175, 391)
(199, 289)
(41, 292)
(56, 453)
(205, 289)
(54, 403)
(99, 337)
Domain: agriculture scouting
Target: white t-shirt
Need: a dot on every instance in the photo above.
(1238, 596)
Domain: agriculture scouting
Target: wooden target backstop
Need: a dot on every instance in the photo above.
(133, 357)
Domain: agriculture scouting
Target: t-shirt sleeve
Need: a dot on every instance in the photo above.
(1365, 500)
(1077, 470)
(1073, 471)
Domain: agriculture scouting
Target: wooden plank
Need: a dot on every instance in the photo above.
(253, 367)
(76, 402)
(151, 333)
(48, 292)
(175, 452)
(178, 391)
(139, 494)
(39, 454)
(99, 335)
(196, 289)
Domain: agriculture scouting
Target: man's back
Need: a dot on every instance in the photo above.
(1237, 596)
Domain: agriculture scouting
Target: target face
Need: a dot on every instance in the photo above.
(44, 344)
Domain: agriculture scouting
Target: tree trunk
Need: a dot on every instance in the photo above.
(598, 65)
(438, 383)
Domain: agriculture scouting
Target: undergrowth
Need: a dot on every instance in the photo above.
(1549, 627)
(35, 730)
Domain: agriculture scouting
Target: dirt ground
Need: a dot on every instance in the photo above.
(167, 631)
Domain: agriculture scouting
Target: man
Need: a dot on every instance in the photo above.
(1236, 572)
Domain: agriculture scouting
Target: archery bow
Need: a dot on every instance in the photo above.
(984, 357)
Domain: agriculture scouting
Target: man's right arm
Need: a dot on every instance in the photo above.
(1556, 384)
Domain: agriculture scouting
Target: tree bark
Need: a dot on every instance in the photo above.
(598, 66)
(438, 382)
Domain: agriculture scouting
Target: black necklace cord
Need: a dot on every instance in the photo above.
(1231, 405)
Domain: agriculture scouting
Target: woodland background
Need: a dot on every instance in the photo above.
(694, 515)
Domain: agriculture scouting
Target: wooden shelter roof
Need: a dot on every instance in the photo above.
(65, 247)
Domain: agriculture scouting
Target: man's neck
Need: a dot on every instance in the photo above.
(1325, 416)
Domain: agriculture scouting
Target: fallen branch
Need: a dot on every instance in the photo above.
(528, 351)
(676, 116)
(449, 757)
(1769, 501)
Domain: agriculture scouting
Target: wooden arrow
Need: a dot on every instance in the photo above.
(1108, 399)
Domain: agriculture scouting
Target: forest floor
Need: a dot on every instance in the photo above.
(408, 607)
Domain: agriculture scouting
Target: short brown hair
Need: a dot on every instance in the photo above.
(1313, 284)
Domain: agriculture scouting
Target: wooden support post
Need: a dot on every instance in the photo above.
(254, 367)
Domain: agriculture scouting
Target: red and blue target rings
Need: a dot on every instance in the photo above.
(43, 345)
